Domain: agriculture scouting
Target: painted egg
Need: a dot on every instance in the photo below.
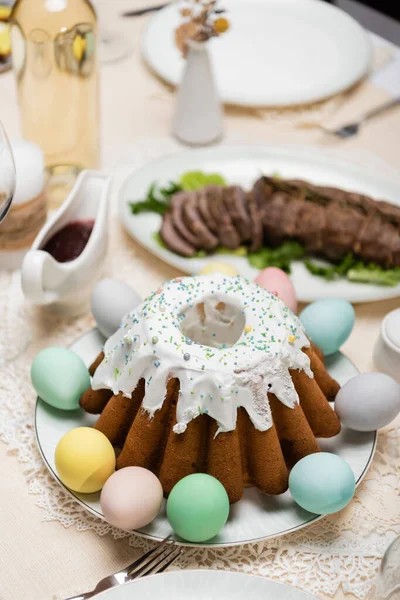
(368, 401)
(84, 460)
(131, 498)
(111, 300)
(198, 507)
(59, 377)
(328, 323)
(219, 267)
(277, 281)
(322, 483)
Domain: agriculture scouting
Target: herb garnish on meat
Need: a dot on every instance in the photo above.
(158, 197)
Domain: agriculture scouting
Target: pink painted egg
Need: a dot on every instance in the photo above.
(277, 281)
(131, 498)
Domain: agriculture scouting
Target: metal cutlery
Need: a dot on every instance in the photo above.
(154, 561)
(142, 11)
(351, 129)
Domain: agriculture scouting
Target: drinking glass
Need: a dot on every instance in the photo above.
(388, 586)
(14, 337)
(113, 45)
(7, 174)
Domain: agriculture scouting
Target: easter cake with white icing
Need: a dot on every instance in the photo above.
(212, 374)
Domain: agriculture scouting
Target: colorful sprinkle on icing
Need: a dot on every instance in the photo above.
(216, 376)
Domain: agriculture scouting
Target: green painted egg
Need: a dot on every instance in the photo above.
(59, 377)
(198, 507)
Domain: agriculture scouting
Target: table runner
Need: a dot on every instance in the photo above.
(339, 554)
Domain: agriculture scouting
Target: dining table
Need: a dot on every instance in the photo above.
(49, 546)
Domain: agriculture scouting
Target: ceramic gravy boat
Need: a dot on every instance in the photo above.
(65, 287)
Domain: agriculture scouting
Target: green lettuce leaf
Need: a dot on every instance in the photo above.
(195, 180)
(374, 274)
(280, 257)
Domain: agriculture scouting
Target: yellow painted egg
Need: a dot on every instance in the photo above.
(84, 459)
(218, 267)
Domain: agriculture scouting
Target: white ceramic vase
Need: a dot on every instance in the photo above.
(198, 111)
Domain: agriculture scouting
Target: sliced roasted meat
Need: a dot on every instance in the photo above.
(328, 221)
(262, 191)
(228, 236)
(205, 211)
(257, 231)
(276, 206)
(235, 202)
(214, 199)
(379, 242)
(290, 215)
(332, 222)
(194, 222)
(324, 194)
(177, 204)
(342, 226)
(311, 224)
(172, 238)
(389, 212)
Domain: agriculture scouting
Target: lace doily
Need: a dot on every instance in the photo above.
(340, 551)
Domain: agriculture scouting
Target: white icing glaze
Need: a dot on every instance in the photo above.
(215, 379)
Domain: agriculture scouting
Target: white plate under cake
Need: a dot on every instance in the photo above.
(214, 374)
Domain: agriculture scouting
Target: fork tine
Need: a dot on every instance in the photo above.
(145, 558)
(147, 568)
(162, 568)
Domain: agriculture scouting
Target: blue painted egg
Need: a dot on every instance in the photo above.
(60, 377)
(322, 483)
(328, 323)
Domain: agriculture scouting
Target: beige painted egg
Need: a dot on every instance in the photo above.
(131, 498)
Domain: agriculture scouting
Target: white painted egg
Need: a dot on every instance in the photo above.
(131, 498)
(368, 401)
(111, 300)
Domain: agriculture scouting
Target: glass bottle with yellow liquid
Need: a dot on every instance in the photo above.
(55, 64)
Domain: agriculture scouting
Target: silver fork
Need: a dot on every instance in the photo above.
(154, 561)
(348, 131)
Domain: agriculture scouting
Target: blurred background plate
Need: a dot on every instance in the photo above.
(276, 53)
(257, 516)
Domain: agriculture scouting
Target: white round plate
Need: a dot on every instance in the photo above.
(205, 585)
(256, 517)
(243, 165)
(276, 52)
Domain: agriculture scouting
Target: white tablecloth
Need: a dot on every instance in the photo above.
(50, 548)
